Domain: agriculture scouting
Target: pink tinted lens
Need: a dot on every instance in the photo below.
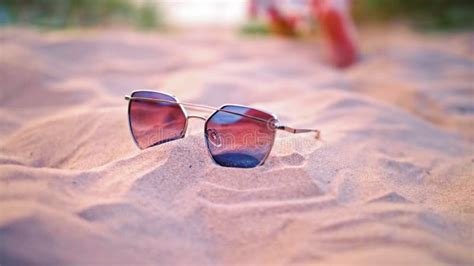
(236, 140)
(154, 122)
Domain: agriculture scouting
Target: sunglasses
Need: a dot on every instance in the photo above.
(235, 135)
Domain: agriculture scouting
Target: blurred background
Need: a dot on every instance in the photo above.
(156, 14)
(416, 54)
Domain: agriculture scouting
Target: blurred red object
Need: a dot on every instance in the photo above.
(280, 24)
(338, 28)
(333, 16)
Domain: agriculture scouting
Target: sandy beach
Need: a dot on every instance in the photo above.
(390, 182)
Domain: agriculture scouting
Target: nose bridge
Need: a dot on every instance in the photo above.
(198, 117)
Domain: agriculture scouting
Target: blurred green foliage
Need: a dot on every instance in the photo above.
(426, 14)
(72, 13)
(255, 28)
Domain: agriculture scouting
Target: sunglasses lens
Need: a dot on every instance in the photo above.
(154, 122)
(236, 140)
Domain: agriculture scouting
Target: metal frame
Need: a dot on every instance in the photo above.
(275, 122)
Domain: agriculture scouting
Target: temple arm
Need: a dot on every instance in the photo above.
(300, 130)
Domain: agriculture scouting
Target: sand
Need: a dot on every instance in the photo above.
(390, 182)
